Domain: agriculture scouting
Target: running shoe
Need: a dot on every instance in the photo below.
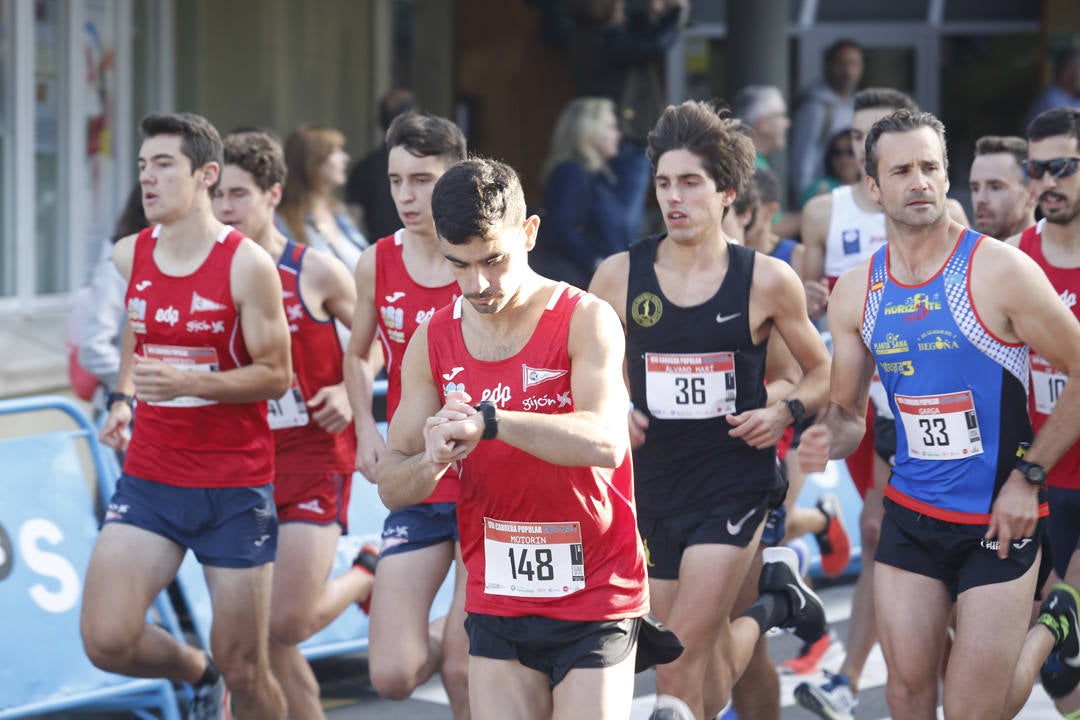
(1058, 679)
(809, 659)
(780, 574)
(831, 700)
(1058, 615)
(833, 540)
(210, 701)
(669, 707)
(366, 560)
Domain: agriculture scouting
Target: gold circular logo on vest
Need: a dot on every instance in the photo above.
(647, 309)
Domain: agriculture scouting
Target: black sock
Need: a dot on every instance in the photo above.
(210, 675)
(769, 610)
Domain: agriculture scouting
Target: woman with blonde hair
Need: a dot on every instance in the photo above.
(309, 212)
(583, 219)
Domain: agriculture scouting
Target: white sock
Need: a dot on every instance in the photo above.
(670, 702)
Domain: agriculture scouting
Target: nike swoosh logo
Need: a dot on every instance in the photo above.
(143, 285)
(736, 528)
(396, 296)
(799, 592)
(720, 319)
(452, 374)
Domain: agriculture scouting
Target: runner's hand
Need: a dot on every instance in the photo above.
(156, 381)
(814, 448)
(760, 428)
(335, 413)
(370, 447)
(114, 432)
(1014, 514)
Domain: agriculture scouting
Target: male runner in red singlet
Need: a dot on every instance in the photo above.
(1052, 167)
(315, 447)
(556, 571)
(207, 344)
(401, 281)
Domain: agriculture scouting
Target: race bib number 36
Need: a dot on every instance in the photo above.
(690, 387)
(940, 427)
(1047, 383)
(539, 560)
(190, 359)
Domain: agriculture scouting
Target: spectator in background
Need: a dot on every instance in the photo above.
(764, 116)
(367, 190)
(1000, 192)
(841, 168)
(584, 219)
(1064, 91)
(309, 213)
(101, 331)
(614, 47)
(826, 108)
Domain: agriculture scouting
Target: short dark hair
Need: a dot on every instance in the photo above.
(1064, 58)
(396, 102)
(1058, 121)
(842, 44)
(899, 122)
(767, 184)
(427, 135)
(881, 97)
(473, 197)
(726, 152)
(200, 141)
(997, 144)
(258, 153)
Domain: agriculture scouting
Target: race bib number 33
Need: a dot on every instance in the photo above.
(940, 427)
(682, 386)
(530, 559)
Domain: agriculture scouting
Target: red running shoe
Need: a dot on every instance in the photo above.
(366, 560)
(833, 540)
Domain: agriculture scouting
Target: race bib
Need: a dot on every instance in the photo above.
(188, 359)
(289, 410)
(1047, 383)
(537, 560)
(940, 427)
(682, 386)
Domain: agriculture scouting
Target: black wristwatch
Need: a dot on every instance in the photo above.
(491, 425)
(1034, 473)
(115, 397)
(797, 410)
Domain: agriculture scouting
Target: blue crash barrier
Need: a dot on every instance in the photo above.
(349, 632)
(47, 531)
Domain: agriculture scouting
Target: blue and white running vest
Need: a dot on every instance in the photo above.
(958, 393)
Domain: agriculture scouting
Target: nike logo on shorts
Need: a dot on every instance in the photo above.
(736, 527)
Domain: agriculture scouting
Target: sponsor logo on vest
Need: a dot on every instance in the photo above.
(201, 304)
(892, 345)
(136, 309)
(395, 297)
(933, 340)
(904, 367)
(530, 404)
(217, 327)
(295, 312)
(500, 395)
(422, 315)
(170, 315)
(453, 373)
(535, 376)
(918, 307)
(1068, 297)
(646, 309)
(140, 286)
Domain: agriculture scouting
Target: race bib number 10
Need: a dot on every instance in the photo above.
(682, 386)
(940, 427)
(539, 560)
(1047, 384)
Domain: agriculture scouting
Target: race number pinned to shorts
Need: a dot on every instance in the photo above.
(683, 386)
(289, 410)
(1047, 383)
(940, 427)
(189, 359)
(539, 560)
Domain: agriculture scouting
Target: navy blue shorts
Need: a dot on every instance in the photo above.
(419, 526)
(731, 522)
(224, 527)
(1063, 526)
(553, 647)
(956, 554)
